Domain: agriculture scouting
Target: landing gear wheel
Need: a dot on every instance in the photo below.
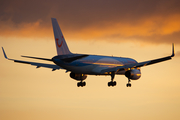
(78, 84)
(112, 83)
(82, 84)
(109, 84)
(128, 85)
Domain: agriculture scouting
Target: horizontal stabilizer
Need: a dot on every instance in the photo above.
(71, 59)
(37, 58)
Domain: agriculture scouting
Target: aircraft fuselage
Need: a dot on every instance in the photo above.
(91, 64)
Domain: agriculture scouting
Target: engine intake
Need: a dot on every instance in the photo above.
(78, 77)
(133, 74)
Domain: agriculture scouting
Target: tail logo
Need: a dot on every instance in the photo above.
(57, 39)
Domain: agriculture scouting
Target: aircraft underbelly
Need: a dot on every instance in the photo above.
(81, 69)
(122, 72)
(89, 69)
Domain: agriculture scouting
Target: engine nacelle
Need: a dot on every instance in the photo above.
(133, 74)
(78, 77)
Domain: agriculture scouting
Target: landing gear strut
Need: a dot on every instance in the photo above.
(112, 83)
(128, 84)
(82, 84)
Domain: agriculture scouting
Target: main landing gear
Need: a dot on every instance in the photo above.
(128, 84)
(112, 83)
(82, 84)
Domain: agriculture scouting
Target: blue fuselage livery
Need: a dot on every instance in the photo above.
(81, 65)
(92, 64)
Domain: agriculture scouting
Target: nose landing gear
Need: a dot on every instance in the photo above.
(128, 84)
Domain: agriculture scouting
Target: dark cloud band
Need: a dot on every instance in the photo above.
(133, 16)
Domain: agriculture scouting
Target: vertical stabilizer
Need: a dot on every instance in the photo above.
(62, 48)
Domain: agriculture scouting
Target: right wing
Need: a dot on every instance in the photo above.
(53, 67)
(140, 64)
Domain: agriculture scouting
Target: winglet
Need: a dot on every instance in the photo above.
(173, 54)
(4, 53)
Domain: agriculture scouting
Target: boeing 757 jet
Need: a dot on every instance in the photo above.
(81, 65)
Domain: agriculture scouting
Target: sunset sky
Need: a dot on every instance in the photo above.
(139, 29)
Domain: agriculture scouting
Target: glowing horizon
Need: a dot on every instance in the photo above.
(142, 30)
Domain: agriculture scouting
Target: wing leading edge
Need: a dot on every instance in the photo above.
(141, 64)
(53, 67)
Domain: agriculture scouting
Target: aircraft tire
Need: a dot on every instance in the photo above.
(128, 85)
(78, 84)
(109, 84)
(83, 84)
(114, 83)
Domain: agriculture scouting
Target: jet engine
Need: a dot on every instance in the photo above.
(78, 77)
(133, 74)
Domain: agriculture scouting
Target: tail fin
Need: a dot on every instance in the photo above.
(62, 48)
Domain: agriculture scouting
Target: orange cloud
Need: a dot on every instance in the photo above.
(148, 21)
(151, 28)
(24, 30)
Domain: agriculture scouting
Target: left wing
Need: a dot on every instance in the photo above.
(141, 64)
(53, 67)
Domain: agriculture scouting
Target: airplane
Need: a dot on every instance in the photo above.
(81, 65)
